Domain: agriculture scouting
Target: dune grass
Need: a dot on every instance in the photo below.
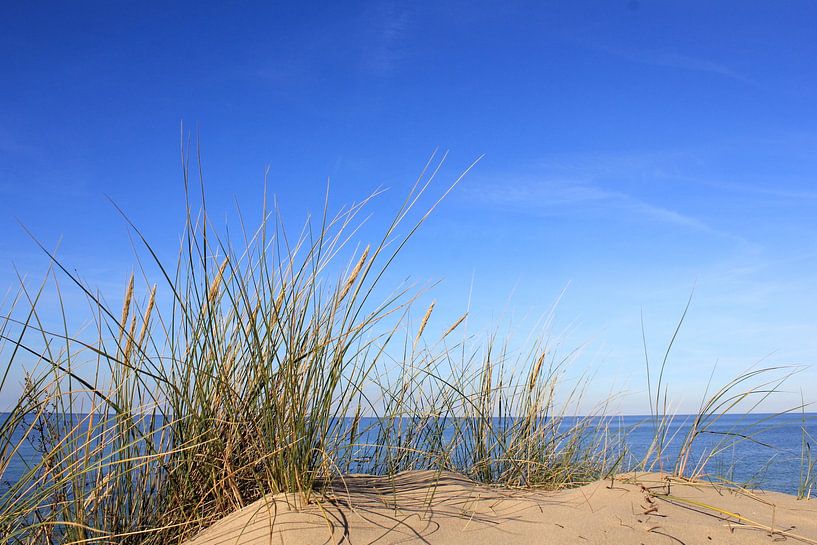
(808, 462)
(257, 364)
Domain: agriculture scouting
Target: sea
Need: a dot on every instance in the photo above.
(765, 451)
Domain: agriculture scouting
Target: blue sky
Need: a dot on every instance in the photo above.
(633, 150)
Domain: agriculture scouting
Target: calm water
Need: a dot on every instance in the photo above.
(768, 457)
(760, 450)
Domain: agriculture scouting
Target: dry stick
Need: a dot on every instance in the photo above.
(747, 521)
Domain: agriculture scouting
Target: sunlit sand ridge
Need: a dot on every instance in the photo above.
(429, 507)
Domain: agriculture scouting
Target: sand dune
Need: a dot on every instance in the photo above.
(431, 508)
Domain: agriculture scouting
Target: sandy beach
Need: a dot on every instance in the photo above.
(433, 508)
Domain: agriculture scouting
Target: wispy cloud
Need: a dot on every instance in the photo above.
(791, 195)
(599, 165)
(374, 43)
(553, 195)
(386, 46)
(667, 58)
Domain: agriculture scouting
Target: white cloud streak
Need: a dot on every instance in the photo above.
(673, 59)
(551, 195)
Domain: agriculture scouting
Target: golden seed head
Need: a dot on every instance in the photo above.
(424, 322)
(217, 280)
(455, 325)
(355, 272)
(146, 322)
(126, 304)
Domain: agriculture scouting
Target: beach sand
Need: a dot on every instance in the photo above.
(442, 508)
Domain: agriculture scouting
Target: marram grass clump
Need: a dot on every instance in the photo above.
(263, 367)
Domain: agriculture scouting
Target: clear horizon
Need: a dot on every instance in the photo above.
(633, 152)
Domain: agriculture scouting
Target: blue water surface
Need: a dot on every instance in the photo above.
(759, 450)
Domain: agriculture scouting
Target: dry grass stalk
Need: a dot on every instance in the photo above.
(353, 276)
